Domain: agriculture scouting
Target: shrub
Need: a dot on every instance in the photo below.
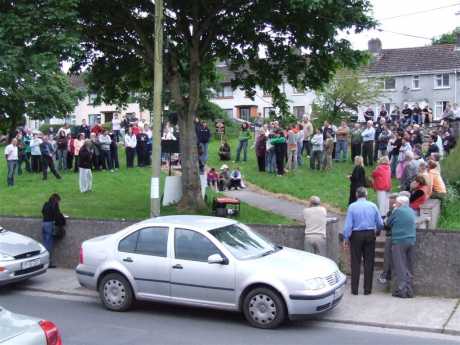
(451, 168)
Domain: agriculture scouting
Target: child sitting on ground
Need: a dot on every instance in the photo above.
(212, 178)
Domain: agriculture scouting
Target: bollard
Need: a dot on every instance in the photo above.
(332, 240)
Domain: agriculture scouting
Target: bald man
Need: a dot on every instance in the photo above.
(315, 227)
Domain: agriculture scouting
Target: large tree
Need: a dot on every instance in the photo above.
(35, 37)
(264, 42)
(344, 93)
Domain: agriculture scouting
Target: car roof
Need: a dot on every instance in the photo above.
(200, 223)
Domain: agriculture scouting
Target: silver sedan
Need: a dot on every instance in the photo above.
(16, 329)
(20, 257)
(209, 262)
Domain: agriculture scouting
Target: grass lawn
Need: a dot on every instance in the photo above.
(120, 195)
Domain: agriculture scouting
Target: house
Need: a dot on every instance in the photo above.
(237, 105)
(426, 75)
(90, 111)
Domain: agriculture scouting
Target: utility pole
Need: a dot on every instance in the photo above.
(157, 111)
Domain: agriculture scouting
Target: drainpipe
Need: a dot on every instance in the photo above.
(455, 86)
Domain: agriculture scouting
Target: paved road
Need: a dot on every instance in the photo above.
(83, 321)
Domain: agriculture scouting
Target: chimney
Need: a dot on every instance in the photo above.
(374, 46)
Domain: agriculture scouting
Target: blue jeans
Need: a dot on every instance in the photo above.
(204, 155)
(47, 233)
(341, 147)
(12, 165)
(62, 159)
(270, 161)
(299, 153)
(243, 145)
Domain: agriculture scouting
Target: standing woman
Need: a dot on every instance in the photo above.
(245, 135)
(357, 178)
(84, 167)
(130, 146)
(51, 216)
(381, 177)
(261, 149)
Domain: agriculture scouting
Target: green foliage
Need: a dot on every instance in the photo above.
(35, 37)
(343, 95)
(446, 38)
(451, 167)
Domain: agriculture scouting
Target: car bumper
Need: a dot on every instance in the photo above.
(21, 269)
(86, 277)
(304, 305)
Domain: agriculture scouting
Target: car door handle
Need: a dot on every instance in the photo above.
(177, 267)
(128, 259)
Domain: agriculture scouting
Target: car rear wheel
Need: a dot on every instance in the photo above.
(115, 292)
(264, 308)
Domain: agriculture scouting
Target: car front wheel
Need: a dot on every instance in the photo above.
(264, 308)
(115, 292)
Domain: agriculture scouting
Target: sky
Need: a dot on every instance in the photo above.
(433, 22)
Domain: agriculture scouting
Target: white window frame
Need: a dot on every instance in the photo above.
(221, 92)
(295, 107)
(267, 111)
(438, 113)
(414, 79)
(229, 112)
(440, 77)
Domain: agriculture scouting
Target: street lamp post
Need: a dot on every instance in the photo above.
(157, 111)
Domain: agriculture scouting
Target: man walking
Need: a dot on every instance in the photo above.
(11, 155)
(402, 222)
(315, 227)
(362, 221)
(368, 143)
(47, 152)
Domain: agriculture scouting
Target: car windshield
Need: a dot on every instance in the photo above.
(242, 242)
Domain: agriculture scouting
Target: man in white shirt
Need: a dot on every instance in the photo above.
(11, 155)
(65, 129)
(315, 227)
(116, 127)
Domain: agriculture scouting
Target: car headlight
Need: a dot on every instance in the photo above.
(4, 257)
(315, 284)
(42, 248)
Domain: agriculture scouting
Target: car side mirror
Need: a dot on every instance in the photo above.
(217, 259)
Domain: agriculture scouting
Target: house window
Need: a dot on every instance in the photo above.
(229, 112)
(268, 111)
(297, 91)
(266, 93)
(299, 111)
(93, 118)
(439, 108)
(225, 91)
(441, 81)
(389, 83)
(415, 82)
(245, 113)
(92, 99)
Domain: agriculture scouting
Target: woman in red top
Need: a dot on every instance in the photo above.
(381, 177)
(420, 194)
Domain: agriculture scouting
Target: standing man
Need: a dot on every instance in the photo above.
(402, 223)
(11, 155)
(368, 143)
(47, 152)
(116, 127)
(369, 114)
(84, 128)
(342, 142)
(204, 135)
(362, 222)
(315, 227)
(356, 141)
(307, 134)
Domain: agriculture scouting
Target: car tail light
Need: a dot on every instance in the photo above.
(81, 255)
(51, 332)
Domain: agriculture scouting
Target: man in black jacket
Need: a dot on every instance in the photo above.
(85, 161)
(47, 158)
(204, 135)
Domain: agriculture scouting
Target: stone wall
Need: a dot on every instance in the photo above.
(437, 263)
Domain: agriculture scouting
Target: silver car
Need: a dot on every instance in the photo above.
(210, 262)
(18, 329)
(20, 257)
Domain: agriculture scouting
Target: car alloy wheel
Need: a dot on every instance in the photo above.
(115, 292)
(264, 308)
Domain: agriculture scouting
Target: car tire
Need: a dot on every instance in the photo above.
(115, 292)
(264, 308)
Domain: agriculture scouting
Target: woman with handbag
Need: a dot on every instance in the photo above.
(52, 217)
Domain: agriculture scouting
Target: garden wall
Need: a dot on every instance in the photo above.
(437, 263)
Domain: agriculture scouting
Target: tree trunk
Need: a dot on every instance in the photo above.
(191, 186)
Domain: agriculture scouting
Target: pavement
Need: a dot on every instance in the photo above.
(426, 314)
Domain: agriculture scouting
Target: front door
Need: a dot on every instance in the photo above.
(144, 254)
(193, 279)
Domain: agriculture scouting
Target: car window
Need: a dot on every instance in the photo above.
(128, 244)
(191, 245)
(149, 241)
